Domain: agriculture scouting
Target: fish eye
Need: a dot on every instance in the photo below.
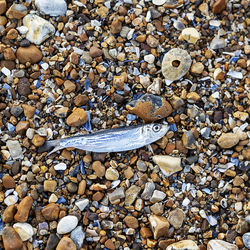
(156, 128)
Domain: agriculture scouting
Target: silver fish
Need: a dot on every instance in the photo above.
(110, 140)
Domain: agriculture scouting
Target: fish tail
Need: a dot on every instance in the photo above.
(48, 145)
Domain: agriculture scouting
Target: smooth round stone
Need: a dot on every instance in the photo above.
(52, 7)
(11, 239)
(24, 230)
(220, 244)
(60, 166)
(246, 240)
(149, 58)
(228, 140)
(10, 200)
(112, 174)
(184, 244)
(158, 2)
(78, 236)
(67, 224)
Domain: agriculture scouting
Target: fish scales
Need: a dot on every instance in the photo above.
(111, 140)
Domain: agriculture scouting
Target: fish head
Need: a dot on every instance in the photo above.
(155, 131)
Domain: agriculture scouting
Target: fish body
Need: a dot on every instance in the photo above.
(110, 140)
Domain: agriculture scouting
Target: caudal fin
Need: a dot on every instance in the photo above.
(48, 145)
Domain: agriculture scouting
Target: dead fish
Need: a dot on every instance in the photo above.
(110, 140)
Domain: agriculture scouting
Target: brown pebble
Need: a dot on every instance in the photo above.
(81, 187)
(12, 34)
(131, 221)
(81, 100)
(109, 244)
(8, 181)
(38, 140)
(98, 168)
(29, 54)
(23, 87)
(66, 244)
(145, 232)
(116, 26)
(77, 118)
(95, 52)
(97, 196)
(219, 6)
(8, 214)
(3, 6)
(69, 87)
(11, 239)
(28, 110)
(14, 13)
(49, 186)
(9, 54)
(22, 126)
(23, 209)
(51, 212)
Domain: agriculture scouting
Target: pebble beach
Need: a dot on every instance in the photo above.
(75, 67)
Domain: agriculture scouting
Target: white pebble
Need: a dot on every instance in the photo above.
(24, 230)
(67, 224)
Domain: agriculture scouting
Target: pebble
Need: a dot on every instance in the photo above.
(11, 239)
(23, 87)
(38, 140)
(176, 218)
(197, 68)
(24, 230)
(78, 236)
(112, 174)
(28, 111)
(158, 2)
(29, 54)
(22, 127)
(52, 7)
(11, 200)
(221, 244)
(39, 29)
(168, 164)
(82, 204)
(8, 214)
(67, 224)
(219, 6)
(159, 226)
(191, 35)
(60, 166)
(23, 209)
(150, 107)
(131, 194)
(99, 168)
(246, 240)
(66, 244)
(8, 182)
(77, 118)
(157, 196)
(16, 11)
(148, 191)
(217, 43)
(51, 212)
(15, 149)
(175, 64)
(49, 185)
(184, 244)
(228, 140)
(3, 6)
(131, 222)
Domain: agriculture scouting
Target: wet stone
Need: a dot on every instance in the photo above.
(52, 241)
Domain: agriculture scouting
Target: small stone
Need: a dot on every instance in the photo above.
(49, 186)
(52, 242)
(69, 87)
(22, 126)
(176, 218)
(228, 140)
(184, 244)
(101, 69)
(24, 230)
(11, 239)
(217, 43)
(197, 68)
(168, 164)
(157, 208)
(8, 181)
(67, 224)
(51, 212)
(117, 194)
(66, 244)
(242, 226)
(111, 174)
(23, 209)
(78, 236)
(246, 240)
(157, 196)
(152, 41)
(99, 168)
(148, 191)
(95, 52)
(28, 110)
(158, 2)
(131, 222)
(10, 200)
(3, 6)
(52, 7)
(109, 244)
(72, 187)
(159, 226)
(23, 87)
(38, 140)
(219, 6)
(191, 35)
(12, 33)
(188, 140)
(82, 204)
(149, 58)
(77, 118)
(62, 112)
(81, 100)
(16, 11)
(219, 74)
(243, 116)
(145, 232)
(116, 26)
(220, 244)
(81, 187)
(16, 110)
(131, 194)
(39, 28)
(175, 64)
(150, 107)
(8, 214)
(118, 82)
(193, 97)
(15, 149)
(29, 54)
(9, 54)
